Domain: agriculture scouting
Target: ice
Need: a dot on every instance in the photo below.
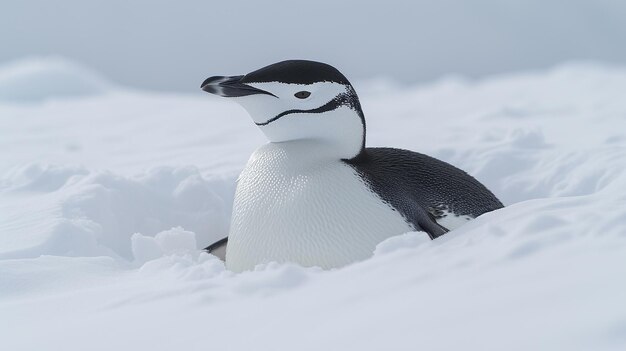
(108, 195)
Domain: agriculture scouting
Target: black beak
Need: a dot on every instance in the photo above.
(230, 87)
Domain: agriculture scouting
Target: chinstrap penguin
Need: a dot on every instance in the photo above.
(315, 195)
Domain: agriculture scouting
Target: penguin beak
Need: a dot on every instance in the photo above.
(230, 87)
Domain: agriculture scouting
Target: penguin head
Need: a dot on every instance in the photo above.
(299, 100)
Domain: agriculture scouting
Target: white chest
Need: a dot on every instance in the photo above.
(292, 204)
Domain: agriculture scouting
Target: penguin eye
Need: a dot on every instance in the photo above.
(302, 94)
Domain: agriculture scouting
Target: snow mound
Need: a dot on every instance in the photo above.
(38, 79)
(175, 240)
(97, 213)
(102, 221)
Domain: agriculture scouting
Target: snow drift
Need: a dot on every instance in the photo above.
(106, 200)
(38, 79)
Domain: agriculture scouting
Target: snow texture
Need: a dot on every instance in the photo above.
(107, 196)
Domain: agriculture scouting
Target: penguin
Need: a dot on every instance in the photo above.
(315, 195)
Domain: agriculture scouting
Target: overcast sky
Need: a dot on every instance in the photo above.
(174, 45)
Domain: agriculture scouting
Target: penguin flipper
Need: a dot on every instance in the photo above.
(429, 224)
(218, 248)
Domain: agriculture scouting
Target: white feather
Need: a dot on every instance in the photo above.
(297, 202)
(452, 221)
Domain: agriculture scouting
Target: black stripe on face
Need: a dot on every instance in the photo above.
(345, 99)
(329, 106)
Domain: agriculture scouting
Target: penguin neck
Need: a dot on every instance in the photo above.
(309, 152)
(338, 134)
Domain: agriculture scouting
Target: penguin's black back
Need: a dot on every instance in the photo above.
(421, 187)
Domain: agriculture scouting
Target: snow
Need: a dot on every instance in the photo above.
(107, 195)
(36, 79)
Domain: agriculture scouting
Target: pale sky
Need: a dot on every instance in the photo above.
(174, 45)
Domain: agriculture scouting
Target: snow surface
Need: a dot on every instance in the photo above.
(42, 78)
(107, 194)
